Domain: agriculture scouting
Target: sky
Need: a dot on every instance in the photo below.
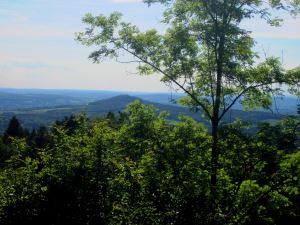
(38, 50)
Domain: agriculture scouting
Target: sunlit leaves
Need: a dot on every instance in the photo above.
(202, 37)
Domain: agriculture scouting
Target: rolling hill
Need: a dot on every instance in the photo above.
(34, 117)
(18, 99)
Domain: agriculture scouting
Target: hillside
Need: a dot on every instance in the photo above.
(34, 117)
(12, 99)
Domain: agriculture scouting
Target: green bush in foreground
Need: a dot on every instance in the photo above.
(144, 170)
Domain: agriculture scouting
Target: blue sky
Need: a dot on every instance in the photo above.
(37, 47)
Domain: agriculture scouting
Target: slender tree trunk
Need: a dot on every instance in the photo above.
(215, 138)
(214, 160)
(214, 167)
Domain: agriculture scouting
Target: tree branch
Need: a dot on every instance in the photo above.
(172, 79)
(241, 94)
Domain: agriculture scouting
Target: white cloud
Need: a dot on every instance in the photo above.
(288, 31)
(126, 1)
(34, 32)
(13, 15)
(290, 35)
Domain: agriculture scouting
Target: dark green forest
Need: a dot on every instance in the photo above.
(140, 166)
(135, 167)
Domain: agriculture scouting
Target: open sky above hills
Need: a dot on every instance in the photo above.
(37, 47)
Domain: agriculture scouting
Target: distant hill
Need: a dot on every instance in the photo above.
(12, 99)
(34, 117)
(286, 105)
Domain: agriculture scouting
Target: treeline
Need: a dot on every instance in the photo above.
(136, 167)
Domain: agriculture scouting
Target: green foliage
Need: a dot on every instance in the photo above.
(204, 51)
(137, 168)
(145, 170)
(14, 130)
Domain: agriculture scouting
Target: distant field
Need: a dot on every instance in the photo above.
(11, 99)
(35, 117)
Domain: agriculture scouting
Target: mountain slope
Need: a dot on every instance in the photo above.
(12, 99)
(34, 117)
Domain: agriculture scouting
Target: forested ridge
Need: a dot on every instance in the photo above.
(136, 167)
(45, 116)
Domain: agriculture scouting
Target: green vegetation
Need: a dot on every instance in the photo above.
(137, 168)
(207, 54)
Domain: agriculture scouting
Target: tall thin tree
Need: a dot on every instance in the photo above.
(205, 52)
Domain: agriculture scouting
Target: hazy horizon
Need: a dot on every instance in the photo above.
(86, 89)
